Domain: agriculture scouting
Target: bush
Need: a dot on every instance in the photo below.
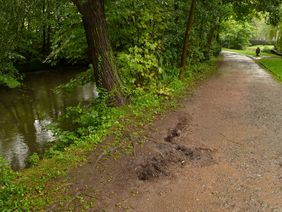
(140, 65)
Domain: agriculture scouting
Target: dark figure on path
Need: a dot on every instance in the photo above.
(258, 51)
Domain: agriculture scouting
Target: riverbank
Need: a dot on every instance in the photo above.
(38, 187)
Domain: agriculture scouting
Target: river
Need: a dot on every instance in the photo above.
(25, 113)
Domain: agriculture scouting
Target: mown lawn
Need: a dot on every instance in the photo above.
(274, 65)
(251, 51)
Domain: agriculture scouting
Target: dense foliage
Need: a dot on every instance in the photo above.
(146, 36)
(236, 35)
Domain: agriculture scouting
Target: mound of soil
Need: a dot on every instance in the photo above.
(169, 152)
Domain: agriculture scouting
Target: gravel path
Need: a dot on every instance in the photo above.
(220, 151)
(238, 114)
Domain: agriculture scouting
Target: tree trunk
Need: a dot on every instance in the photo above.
(176, 11)
(48, 30)
(209, 42)
(99, 47)
(185, 49)
(48, 41)
(44, 30)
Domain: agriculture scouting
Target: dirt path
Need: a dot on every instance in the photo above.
(220, 151)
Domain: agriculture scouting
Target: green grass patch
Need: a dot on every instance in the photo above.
(37, 187)
(274, 65)
(251, 51)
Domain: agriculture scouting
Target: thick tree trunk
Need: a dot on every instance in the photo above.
(185, 49)
(99, 47)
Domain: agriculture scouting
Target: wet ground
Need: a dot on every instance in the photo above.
(221, 150)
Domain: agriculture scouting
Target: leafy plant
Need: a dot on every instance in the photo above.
(11, 195)
(140, 66)
(33, 160)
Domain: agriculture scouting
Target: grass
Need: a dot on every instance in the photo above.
(251, 51)
(37, 187)
(274, 65)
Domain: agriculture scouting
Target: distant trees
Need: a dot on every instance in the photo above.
(278, 44)
(236, 35)
(277, 33)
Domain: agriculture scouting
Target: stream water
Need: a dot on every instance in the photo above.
(25, 113)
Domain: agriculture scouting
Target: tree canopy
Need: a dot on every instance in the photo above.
(134, 43)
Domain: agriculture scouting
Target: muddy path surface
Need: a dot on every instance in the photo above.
(221, 150)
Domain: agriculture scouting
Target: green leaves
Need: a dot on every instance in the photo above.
(140, 66)
(6, 173)
(68, 38)
(11, 195)
(10, 81)
(236, 35)
(10, 19)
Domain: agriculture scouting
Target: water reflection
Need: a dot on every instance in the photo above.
(25, 113)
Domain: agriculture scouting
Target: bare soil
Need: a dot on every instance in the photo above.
(220, 150)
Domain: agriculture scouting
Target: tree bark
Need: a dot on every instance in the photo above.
(44, 30)
(209, 42)
(99, 48)
(185, 49)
